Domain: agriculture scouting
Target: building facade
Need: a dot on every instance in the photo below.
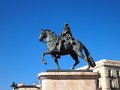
(25, 87)
(109, 74)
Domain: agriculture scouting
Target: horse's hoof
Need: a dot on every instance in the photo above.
(88, 68)
(44, 62)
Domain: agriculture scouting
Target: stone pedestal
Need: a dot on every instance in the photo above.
(69, 80)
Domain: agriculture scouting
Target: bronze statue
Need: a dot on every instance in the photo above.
(66, 44)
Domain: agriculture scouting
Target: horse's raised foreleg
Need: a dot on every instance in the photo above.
(75, 57)
(43, 54)
(56, 61)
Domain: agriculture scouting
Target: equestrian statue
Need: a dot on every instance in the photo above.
(63, 45)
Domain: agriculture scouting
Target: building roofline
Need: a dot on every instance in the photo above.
(103, 62)
(28, 86)
(14, 85)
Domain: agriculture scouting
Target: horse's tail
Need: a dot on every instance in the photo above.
(89, 58)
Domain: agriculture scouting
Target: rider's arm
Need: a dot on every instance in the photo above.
(66, 31)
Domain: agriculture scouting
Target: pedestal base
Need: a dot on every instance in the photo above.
(69, 80)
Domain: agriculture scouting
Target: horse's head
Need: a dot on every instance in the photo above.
(42, 35)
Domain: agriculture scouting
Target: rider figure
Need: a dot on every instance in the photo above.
(66, 36)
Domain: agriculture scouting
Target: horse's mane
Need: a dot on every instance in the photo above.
(51, 32)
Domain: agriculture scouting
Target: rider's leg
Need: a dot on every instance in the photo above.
(59, 47)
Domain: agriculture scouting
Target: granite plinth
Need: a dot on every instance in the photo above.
(69, 80)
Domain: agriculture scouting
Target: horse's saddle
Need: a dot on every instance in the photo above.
(70, 41)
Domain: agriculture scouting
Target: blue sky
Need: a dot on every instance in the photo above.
(96, 23)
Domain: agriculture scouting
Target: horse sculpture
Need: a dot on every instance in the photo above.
(75, 50)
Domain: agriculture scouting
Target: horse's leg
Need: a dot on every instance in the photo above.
(43, 54)
(56, 61)
(75, 57)
(80, 54)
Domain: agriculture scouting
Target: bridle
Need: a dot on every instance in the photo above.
(48, 41)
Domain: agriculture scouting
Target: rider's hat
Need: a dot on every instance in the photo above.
(65, 24)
